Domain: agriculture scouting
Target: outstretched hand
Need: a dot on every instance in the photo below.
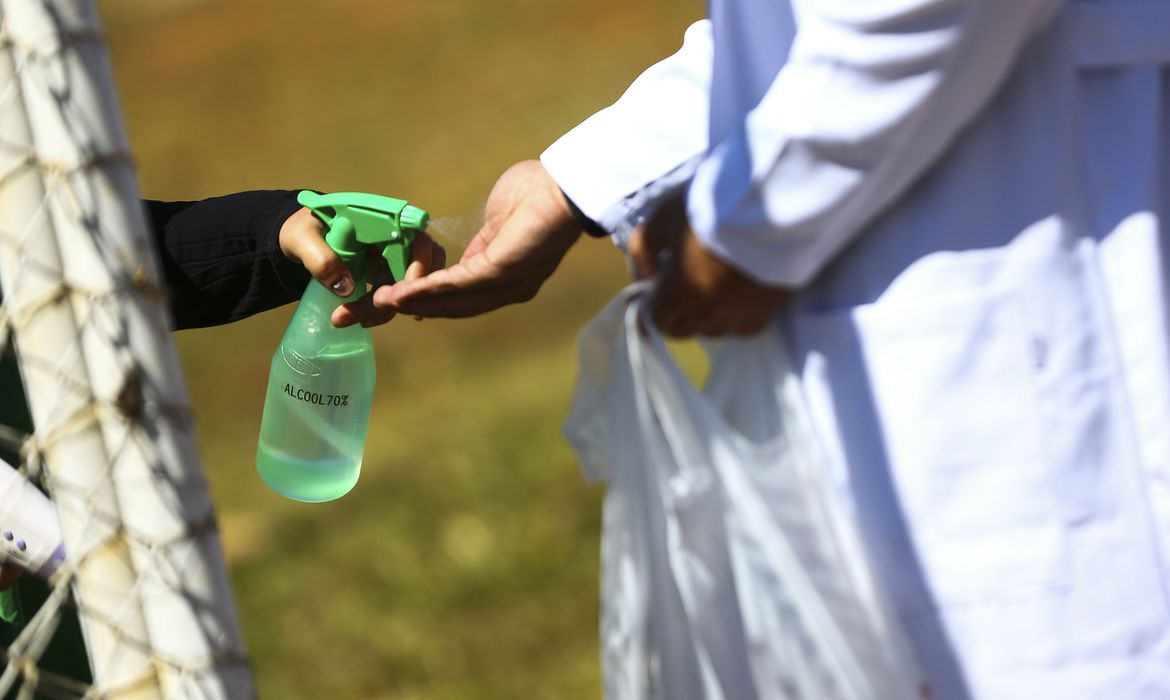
(528, 228)
(695, 292)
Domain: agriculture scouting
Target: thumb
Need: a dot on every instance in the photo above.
(301, 239)
(644, 258)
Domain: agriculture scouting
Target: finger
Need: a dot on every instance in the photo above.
(450, 301)
(645, 264)
(682, 324)
(301, 240)
(378, 272)
(760, 310)
(361, 312)
(426, 256)
(665, 227)
(677, 323)
(673, 307)
(718, 325)
(751, 323)
(378, 317)
(653, 244)
(464, 289)
(675, 302)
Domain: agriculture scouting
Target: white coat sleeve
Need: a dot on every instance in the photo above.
(620, 161)
(871, 94)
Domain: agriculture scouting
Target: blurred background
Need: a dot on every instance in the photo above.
(464, 564)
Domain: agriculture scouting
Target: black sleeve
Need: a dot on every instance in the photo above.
(222, 258)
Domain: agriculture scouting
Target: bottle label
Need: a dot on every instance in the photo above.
(314, 397)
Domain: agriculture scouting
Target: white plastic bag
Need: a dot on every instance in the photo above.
(729, 570)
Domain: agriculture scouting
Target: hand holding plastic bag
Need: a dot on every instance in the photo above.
(729, 569)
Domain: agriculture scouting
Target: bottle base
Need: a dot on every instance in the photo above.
(305, 480)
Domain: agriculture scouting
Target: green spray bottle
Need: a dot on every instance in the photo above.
(321, 384)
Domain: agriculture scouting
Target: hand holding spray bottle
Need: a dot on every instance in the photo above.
(321, 384)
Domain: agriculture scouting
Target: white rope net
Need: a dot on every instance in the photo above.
(113, 444)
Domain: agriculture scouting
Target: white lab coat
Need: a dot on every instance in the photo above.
(970, 198)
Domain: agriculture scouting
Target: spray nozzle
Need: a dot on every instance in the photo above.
(357, 220)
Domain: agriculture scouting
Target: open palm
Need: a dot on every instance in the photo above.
(528, 228)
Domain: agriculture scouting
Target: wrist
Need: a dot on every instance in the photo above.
(560, 212)
(589, 226)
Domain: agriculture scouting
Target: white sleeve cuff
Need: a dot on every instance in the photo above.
(620, 162)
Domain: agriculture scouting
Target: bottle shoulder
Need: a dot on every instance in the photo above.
(310, 330)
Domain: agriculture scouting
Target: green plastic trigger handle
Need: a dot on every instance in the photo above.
(359, 219)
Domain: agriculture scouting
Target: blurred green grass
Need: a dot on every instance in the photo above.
(464, 564)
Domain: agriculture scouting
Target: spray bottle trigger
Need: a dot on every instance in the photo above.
(357, 220)
(397, 254)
